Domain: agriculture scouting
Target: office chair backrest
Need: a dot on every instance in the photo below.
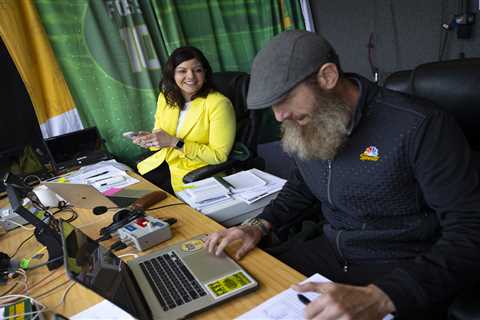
(452, 85)
(234, 85)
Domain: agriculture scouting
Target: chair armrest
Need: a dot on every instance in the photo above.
(208, 171)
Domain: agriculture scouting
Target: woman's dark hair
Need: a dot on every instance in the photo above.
(169, 88)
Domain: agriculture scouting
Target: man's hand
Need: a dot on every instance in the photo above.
(338, 301)
(249, 235)
(159, 139)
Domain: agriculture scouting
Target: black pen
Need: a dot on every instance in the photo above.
(98, 174)
(224, 183)
(303, 299)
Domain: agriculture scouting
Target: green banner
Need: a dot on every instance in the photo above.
(111, 51)
(111, 55)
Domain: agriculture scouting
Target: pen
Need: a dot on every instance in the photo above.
(112, 181)
(224, 183)
(98, 174)
(101, 179)
(303, 299)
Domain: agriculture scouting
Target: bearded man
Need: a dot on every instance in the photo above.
(393, 176)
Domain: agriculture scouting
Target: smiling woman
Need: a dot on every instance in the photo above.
(194, 124)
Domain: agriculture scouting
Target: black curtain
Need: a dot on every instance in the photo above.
(18, 123)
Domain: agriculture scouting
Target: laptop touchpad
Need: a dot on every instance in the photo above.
(209, 267)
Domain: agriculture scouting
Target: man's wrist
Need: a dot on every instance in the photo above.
(263, 225)
(386, 305)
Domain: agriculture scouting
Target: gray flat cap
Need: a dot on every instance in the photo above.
(287, 59)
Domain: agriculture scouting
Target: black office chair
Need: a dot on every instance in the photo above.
(234, 85)
(454, 86)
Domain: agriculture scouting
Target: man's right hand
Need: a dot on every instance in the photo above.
(249, 235)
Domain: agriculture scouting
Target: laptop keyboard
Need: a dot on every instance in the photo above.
(171, 281)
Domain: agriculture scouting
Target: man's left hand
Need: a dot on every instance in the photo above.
(338, 301)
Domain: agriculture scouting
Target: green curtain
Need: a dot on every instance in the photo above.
(111, 51)
(229, 32)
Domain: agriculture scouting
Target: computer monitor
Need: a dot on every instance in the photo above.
(76, 148)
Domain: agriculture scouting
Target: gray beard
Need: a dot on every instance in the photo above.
(323, 136)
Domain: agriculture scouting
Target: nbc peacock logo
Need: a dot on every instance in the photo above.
(370, 154)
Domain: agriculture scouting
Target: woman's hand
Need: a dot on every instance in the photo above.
(158, 139)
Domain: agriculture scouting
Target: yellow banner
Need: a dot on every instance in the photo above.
(28, 45)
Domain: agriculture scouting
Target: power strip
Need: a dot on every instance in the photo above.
(144, 232)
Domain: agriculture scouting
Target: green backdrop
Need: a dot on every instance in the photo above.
(111, 51)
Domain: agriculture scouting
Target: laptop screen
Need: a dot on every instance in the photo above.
(100, 270)
(75, 148)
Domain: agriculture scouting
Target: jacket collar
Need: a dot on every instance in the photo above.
(368, 91)
(193, 115)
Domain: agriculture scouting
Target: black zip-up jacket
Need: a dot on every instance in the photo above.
(404, 186)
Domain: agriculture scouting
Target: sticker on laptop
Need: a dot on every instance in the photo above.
(228, 284)
(192, 245)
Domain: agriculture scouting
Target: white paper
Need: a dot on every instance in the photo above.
(273, 184)
(207, 189)
(101, 177)
(244, 181)
(285, 305)
(104, 310)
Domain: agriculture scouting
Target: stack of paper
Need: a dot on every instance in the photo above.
(103, 176)
(244, 181)
(247, 186)
(207, 189)
(204, 193)
(271, 185)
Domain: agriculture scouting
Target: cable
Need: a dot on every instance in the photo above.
(44, 263)
(16, 297)
(64, 295)
(29, 178)
(10, 289)
(395, 36)
(19, 224)
(50, 291)
(444, 36)
(43, 279)
(74, 215)
(128, 254)
(21, 245)
(168, 205)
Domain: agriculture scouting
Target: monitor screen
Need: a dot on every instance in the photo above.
(76, 148)
(100, 270)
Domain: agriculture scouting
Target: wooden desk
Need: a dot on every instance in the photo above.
(272, 275)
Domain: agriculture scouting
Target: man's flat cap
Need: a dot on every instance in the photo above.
(284, 62)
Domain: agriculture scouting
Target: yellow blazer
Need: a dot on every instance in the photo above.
(208, 132)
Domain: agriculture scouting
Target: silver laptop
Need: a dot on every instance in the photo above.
(87, 197)
(80, 195)
(172, 283)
